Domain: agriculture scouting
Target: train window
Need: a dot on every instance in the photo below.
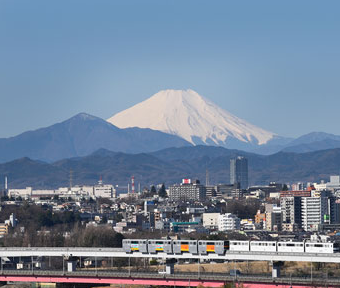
(134, 242)
(210, 243)
(318, 245)
(144, 242)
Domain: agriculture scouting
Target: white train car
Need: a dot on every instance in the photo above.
(322, 247)
(291, 247)
(263, 246)
(238, 245)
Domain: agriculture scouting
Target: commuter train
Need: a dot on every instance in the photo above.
(221, 247)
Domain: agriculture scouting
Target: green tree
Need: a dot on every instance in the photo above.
(162, 191)
(153, 190)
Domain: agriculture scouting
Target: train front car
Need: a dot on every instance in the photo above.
(155, 246)
(135, 245)
(263, 246)
(218, 247)
(239, 245)
(184, 246)
(291, 247)
(321, 247)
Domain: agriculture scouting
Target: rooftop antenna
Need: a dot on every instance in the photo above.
(6, 183)
(206, 177)
(100, 182)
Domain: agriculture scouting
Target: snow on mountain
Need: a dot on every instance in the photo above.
(187, 114)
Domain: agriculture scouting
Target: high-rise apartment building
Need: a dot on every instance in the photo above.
(187, 191)
(239, 172)
(291, 210)
(314, 210)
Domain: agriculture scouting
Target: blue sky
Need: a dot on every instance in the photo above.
(273, 63)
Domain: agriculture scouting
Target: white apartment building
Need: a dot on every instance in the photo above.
(104, 191)
(313, 210)
(228, 222)
(210, 220)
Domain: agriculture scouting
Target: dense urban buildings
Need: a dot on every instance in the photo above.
(191, 207)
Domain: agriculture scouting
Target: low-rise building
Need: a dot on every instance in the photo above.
(210, 220)
(228, 222)
(3, 229)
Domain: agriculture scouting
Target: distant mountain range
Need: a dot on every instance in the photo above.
(170, 166)
(81, 135)
(313, 142)
(307, 143)
(170, 118)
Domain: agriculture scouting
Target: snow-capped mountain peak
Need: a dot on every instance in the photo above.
(189, 115)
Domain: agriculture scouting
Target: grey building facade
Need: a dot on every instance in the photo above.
(239, 172)
(187, 192)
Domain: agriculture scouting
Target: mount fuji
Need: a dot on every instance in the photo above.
(194, 118)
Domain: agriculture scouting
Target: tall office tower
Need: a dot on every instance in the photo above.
(239, 172)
